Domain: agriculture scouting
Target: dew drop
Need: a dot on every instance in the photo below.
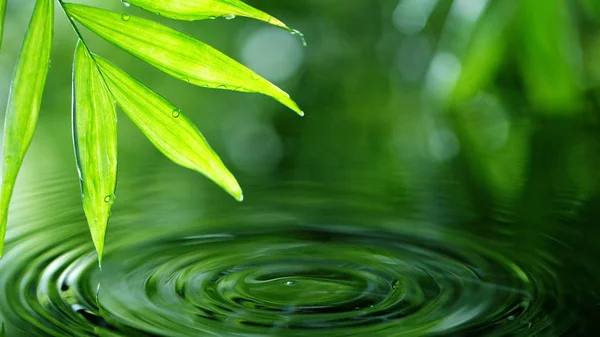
(8, 159)
(176, 113)
(290, 283)
(125, 3)
(229, 16)
(222, 86)
(300, 35)
(125, 17)
(109, 199)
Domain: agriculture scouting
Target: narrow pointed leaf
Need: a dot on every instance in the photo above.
(548, 56)
(95, 140)
(25, 100)
(167, 128)
(206, 9)
(2, 15)
(175, 53)
(486, 50)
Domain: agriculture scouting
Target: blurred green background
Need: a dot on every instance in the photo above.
(475, 89)
(463, 111)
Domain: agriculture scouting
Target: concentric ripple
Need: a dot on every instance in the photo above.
(265, 274)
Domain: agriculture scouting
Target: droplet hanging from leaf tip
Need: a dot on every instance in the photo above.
(300, 35)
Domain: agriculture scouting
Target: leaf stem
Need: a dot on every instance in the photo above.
(77, 32)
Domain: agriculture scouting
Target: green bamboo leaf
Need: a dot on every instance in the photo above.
(548, 58)
(2, 15)
(206, 9)
(95, 140)
(25, 100)
(167, 128)
(175, 53)
(486, 50)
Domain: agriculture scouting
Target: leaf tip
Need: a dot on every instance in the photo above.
(100, 255)
(99, 245)
(236, 192)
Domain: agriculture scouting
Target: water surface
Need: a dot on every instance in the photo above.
(297, 258)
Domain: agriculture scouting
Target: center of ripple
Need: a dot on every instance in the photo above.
(302, 287)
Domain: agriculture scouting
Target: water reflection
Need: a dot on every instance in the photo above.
(297, 258)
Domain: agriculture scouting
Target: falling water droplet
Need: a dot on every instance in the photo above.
(125, 3)
(125, 17)
(300, 35)
(109, 199)
(229, 16)
(176, 113)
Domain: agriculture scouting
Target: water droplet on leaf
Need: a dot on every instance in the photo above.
(176, 113)
(8, 159)
(290, 283)
(229, 16)
(125, 3)
(125, 17)
(109, 199)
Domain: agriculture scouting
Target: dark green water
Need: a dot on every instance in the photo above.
(295, 259)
